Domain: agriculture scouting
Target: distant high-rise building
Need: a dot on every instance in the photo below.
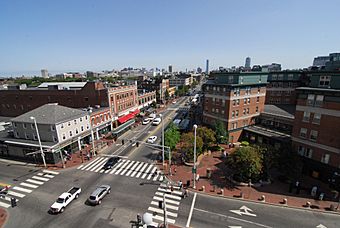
(207, 66)
(44, 73)
(247, 64)
(199, 70)
(170, 68)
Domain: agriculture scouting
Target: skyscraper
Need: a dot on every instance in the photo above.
(247, 64)
(170, 68)
(44, 73)
(207, 67)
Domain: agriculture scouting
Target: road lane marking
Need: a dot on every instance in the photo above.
(22, 189)
(231, 217)
(167, 206)
(49, 176)
(127, 168)
(40, 178)
(141, 171)
(168, 195)
(50, 172)
(29, 185)
(157, 217)
(5, 205)
(169, 191)
(122, 167)
(91, 164)
(146, 171)
(99, 165)
(168, 213)
(121, 162)
(35, 181)
(136, 171)
(132, 169)
(152, 173)
(155, 178)
(191, 210)
(16, 194)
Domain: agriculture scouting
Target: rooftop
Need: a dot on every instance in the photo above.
(66, 85)
(50, 114)
(281, 110)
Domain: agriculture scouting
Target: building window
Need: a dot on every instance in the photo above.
(62, 126)
(70, 133)
(245, 100)
(69, 123)
(26, 136)
(85, 117)
(244, 111)
(213, 99)
(87, 127)
(213, 110)
(274, 77)
(232, 114)
(290, 76)
(313, 135)
(14, 125)
(238, 102)
(325, 81)
(258, 89)
(24, 125)
(319, 100)
(257, 109)
(52, 128)
(301, 150)
(77, 131)
(222, 111)
(216, 111)
(247, 111)
(316, 118)
(325, 158)
(224, 89)
(236, 113)
(35, 137)
(310, 99)
(248, 100)
(16, 134)
(308, 153)
(54, 139)
(257, 99)
(81, 119)
(234, 102)
(223, 102)
(64, 136)
(82, 128)
(280, 77)
(32, 126)
(306, 116)
(303, 132)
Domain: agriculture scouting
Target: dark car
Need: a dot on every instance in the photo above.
(111, 162)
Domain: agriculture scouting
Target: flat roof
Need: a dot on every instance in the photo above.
(318, 89)
(268, 132)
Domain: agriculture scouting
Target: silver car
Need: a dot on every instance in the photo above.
(98, 194)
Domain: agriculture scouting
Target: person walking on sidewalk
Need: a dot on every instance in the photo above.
(180, 184)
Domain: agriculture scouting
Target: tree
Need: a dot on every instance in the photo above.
(207, 135)
(172, 136)
(187, 146)
(246, 162)
(221, 132)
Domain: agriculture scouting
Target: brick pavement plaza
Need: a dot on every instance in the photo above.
(274, 193)
(3, 216)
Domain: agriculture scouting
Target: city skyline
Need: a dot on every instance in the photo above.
(80, 35)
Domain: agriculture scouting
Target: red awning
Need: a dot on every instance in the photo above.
(127, 117)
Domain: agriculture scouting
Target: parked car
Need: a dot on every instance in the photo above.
(157, 121)
(98, 194)
(111, 162)
(146, 121)
(174, 102)
(65, 199)
(152, 116)
(152, 139)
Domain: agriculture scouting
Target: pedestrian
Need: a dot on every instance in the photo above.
(180, 184)
(88, 156)
(186, 192)
(175, 170)
(313, 192)
(197, 177)
(171, 188)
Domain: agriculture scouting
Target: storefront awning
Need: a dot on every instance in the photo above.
(123, 126)
(128, 117)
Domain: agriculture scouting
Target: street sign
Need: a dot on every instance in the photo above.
(244, 211)
(193, 170)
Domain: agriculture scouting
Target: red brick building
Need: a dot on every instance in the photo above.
(16, 101)
(236, 99)
(316, 129)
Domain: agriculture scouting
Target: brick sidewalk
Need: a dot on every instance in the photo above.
(274, 193)
(3, 217)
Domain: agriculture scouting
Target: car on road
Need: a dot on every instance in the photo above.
(65, 199)
(98, 194)
(146, 121)
(157, 121)
(111, 162)
(174, 102)
(152, 116)
(152, 139)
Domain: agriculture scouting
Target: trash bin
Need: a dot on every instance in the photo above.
(208, 173)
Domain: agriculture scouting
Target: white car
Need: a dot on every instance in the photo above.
(146, 121)
(152, 116)
(174, 102)
(65, 199)
(152, 139)
(157, 121)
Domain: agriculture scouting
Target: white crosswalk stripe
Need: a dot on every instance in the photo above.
(16, 194)
(141, 171)
(167, 206)
(22, 189)
(135, 172)
(99, 165)
(132, 169)
(48, 175)
(40, 178)
(122, 167)
(168, 195)
(166, 200)
(153, 209)
(34, 181)
(127, 168)
(92, 164)
(152, 173)
(169, 191)
(146, 171)
(29, 185)
(50, 172)
(5, 205)
(160, 218)
(120, 163)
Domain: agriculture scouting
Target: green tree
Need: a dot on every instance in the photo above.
(207, 135)
(172, 136)
(221, 132)
(246, 162)
(187, 146)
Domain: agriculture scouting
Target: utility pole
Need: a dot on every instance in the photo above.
(38, 136)
(162, 119)
(195, 127)
(164, 210)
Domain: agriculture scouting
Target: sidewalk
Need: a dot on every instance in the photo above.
(274, 193)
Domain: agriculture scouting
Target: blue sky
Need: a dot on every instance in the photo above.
(105, 34)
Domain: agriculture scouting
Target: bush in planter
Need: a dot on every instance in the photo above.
(244, 143)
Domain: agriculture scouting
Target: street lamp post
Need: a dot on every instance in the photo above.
(92, 135)
(195, 127)
(38, 136)
(162, 139)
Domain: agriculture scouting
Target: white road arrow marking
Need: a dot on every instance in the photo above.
(244, 211)
(235, 226)
(321, 226)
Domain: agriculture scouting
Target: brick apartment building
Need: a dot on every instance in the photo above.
(234, 98)
(17, 100)
(160, 85)
(317, 124)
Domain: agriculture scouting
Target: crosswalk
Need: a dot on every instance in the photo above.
(125, 167)
(172, 201)
(28, 186)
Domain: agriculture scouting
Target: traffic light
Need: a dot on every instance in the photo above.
(137, 144)
(13, 202)
(123, 142)
(139, 219)
(160, 204)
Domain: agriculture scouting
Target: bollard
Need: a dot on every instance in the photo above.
(241, 195)
(308, 204)
(263, 198)
(222, 192)
(285, 201)
(203, 189)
